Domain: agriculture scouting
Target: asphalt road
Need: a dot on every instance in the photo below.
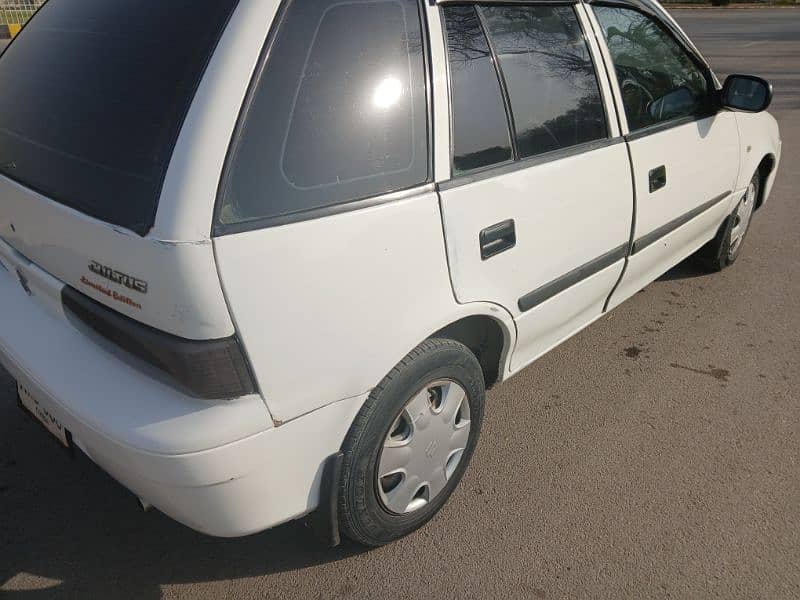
(653, 455)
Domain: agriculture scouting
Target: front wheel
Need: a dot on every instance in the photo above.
(724, 249)
(411, 443)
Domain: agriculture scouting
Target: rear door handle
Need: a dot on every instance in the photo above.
(498, 238)
(658, 178)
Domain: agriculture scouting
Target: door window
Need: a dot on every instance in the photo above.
(480, 126)
(551, 80)
(658, 79)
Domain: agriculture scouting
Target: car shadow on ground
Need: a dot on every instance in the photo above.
(90, 539)
(688, 269)
(68, 530)
(107, 548)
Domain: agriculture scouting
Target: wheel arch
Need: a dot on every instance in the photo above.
(488, 337)
(765, 170)
(760, 151)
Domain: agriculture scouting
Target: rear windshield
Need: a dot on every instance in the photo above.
(94, 93)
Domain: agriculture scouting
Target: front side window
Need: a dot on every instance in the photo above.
(551, 81)
(658, 79)
(339, 113)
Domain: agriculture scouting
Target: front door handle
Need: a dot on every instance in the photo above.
(498, 238)
(658, 178)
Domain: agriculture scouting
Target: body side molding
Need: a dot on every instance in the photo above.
(548, 290)
(655, 235)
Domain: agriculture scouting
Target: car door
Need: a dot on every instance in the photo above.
(537, 212)
(684, 151)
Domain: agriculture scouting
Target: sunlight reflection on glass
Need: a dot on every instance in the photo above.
(387, 93)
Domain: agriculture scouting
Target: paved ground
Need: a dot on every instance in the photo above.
(654, 455)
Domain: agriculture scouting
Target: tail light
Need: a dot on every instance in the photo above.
(209, 369)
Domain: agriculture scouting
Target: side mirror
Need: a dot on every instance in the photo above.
(746, 93)
(675, 103)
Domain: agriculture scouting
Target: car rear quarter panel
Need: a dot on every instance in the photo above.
(327, 307)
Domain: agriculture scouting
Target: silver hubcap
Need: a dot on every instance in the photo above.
(742, 217)
(424, 447)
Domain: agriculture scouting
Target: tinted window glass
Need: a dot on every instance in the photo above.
(339, 113)
(480, 126)
(94, 94)
(658, 79)
(555, 98)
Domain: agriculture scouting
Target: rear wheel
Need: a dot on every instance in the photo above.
(724, 249)
(411, 443)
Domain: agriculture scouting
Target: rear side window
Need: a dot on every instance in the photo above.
(480, 126)
(658, 79)
(551, 80)
(94, 93)
(339, 112)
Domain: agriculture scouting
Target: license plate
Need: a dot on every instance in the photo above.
(41, 413)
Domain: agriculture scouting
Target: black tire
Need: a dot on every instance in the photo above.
(718, 253)
(362, 515)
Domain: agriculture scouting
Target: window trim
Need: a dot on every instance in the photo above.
(503, 93)
(529, 162)
(535, 2)
(223, 229)
(217, 227)
(643, 8)
(517, 163)
(220, 229)
(427, 66)
(664, 126)
(648, 9)
(601, 70)
(501, 78)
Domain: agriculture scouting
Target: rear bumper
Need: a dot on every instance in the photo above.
(221, 468)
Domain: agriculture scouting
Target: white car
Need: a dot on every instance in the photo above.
(262, 259)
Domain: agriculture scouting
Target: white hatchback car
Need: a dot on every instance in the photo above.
(257, 272)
